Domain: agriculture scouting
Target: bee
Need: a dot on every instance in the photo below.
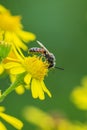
(45, 53)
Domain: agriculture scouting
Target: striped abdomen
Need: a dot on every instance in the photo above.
(36, 49)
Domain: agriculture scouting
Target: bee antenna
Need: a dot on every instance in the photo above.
(59, 68)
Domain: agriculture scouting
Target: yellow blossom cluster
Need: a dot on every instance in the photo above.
(26, 72)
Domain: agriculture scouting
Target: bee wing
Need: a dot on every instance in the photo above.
(43, 47)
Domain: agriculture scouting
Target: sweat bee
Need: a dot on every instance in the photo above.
(45, 53)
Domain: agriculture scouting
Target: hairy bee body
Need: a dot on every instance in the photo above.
(44, 52)
(50, 58)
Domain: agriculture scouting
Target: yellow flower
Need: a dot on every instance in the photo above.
(11, 30)
(53, 121)
(79, 95)
(39, 118)
(34, 69)
(10, 119)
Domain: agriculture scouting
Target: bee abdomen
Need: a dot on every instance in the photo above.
(36, 49)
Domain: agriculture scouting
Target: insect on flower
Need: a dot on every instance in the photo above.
(45, 53)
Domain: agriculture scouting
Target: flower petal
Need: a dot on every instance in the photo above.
(45, 89)
(40, 90)
(79, 97)
(34, 88)
(12, 120)
(2, 126)
(11, 65)
(18, 42)
(17, 70)
(27, 78)
(12, 77)
(3, 9)
(26, 36)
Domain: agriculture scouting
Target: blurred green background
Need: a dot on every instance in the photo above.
(61, 25)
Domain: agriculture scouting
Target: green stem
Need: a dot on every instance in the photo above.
(19, 81)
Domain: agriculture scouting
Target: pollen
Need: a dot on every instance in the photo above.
(36, 67)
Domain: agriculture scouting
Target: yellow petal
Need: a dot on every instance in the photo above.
(11, 65)
(2, 109)
(34, 88)
(18, 42)
(8, 37)
(12, 77)
(79, 97)
(3, 9)
(45, 89)
(2, 126)
(19, 55)
(27, 78)
(40, 90)
(20, 90)
(12, 120)
(12, 38)
(26, 36)
(17, 70)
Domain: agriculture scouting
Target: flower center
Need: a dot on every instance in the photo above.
(36, 67)
(9, 23)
